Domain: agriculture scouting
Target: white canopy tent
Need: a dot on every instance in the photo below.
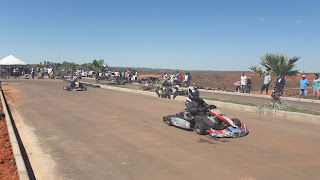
(12, 61)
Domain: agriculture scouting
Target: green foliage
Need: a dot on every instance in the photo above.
(72, 66)
(99, 66)
(277, 64)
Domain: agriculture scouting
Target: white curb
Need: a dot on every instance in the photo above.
(260, 96)
(21, 167)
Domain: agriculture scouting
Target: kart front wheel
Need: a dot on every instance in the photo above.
(236, 121)
(200, 128)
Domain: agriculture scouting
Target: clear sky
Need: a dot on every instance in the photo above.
(184, 34)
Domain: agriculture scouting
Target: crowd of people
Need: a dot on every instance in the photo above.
(245, 85)
(178, 79)
(15, 72)
(124, 75)
(304, 83)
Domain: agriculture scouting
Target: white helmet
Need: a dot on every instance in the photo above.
(193, 92)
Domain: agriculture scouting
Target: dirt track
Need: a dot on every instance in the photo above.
(104, 134)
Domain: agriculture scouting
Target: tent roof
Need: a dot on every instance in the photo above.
(11, 60)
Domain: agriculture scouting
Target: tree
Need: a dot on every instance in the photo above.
(57, 67)
(99, 66)
(73, 68)
(277, 64)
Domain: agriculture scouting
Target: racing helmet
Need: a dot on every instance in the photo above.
(193, 92)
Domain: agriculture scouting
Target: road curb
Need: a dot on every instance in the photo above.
(261, 96)
(283, 114)
(21, 167)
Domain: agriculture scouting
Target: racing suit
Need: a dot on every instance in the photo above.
(198, 108)
(73, 82)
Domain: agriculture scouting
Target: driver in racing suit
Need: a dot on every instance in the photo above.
(73, 82)
(197, 107)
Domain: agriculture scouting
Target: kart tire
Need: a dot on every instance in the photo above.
(167, 120)
(200, 128)
(236, 121)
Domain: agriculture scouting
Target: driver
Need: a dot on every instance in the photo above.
(197, 107)
(73, 82)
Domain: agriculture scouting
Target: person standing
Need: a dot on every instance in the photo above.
(281, 82)
(164, 76)
(249, 83)
(316, 87)
(172, 77)
(266, 81)
(32, 72)
(177, 78)
(304, 87)
(243, 83)
(42, 72)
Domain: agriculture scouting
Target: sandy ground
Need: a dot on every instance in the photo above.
(105, 134)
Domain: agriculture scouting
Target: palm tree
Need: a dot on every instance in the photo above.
(277, 64)
(73, 68)
(100, 66)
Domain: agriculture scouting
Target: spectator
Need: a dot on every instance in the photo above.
(32, 72)
(123, 74)
(1, 72)
(189, 79)
(42, 72)
(243, 83)
(177, 78)
(186, 79)
(164, 76)
(127, 76)
(180, 80)
(249, 83)
(316, 87)
(116, 75)
(46, 71)
(304, 87)
(172, 77)
(136, 76)
(266, 81)
(281, 82)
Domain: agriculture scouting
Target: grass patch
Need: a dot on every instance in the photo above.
(262, 108)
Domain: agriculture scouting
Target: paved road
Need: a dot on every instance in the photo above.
(105, 134)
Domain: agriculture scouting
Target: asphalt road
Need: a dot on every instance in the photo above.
(105, 134)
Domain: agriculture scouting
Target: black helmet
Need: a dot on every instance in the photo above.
(193, 92)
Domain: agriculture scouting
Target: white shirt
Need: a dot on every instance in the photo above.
(267, 79)
(243, 80)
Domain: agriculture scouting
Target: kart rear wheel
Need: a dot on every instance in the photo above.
(236, 121)
(167, 120)
(200, 128)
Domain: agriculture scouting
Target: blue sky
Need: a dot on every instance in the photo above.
(184, 34)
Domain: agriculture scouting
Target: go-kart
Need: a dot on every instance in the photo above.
(78, 87)
(225, 127)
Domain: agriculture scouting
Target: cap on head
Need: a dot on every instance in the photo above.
(303, 76)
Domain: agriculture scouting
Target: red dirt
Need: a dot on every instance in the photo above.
(8, 169)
